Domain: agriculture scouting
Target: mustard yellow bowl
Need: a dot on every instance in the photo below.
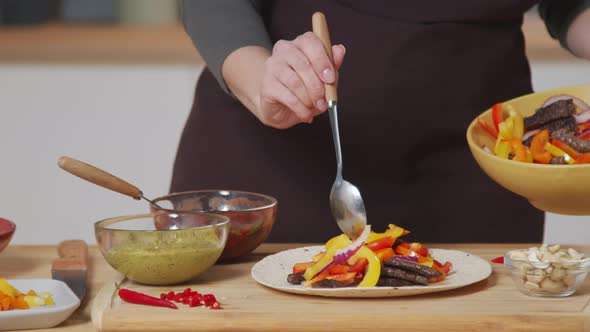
(562, 189)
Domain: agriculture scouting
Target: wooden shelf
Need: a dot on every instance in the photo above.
(125, 44)
(59, 43)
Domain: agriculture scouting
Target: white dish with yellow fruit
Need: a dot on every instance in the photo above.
(53, 303)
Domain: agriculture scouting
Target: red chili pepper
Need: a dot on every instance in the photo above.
(170, 296)
(140, 298)
(499, 260)
(215, 306)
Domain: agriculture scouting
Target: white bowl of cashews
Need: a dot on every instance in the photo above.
(549, 270)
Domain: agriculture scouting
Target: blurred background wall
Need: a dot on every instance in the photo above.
(111, 83)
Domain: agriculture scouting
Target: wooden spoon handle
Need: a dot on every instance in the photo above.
(320, 29)
(98, 177)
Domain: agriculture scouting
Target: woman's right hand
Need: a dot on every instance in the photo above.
(292, 86)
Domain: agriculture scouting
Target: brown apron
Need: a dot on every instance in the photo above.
(415, 74)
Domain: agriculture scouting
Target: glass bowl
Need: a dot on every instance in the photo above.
(252, 215)
(7, 229)
(190, 246)
(554, 279)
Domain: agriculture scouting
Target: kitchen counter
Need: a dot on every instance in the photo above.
(493, 304)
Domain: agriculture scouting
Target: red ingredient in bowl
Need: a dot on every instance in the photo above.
(6, 227)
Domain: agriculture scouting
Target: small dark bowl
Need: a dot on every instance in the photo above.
(7, 229)
(251, 215)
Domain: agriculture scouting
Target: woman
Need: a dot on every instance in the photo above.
(415, 75)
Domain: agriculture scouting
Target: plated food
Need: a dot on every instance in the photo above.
(558, 132)
(373, 259)
(379, 265)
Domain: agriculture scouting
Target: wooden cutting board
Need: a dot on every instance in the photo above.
(493, 305)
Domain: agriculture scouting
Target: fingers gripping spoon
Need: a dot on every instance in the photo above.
(346, 202)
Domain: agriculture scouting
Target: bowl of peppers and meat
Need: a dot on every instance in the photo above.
(538, 146)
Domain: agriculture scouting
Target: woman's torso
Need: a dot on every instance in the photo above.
(414, 76)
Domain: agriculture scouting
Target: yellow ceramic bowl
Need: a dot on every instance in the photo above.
(562, 189)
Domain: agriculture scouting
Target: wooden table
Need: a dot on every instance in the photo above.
(493, 305)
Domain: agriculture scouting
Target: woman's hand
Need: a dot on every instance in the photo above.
(290, 81)
(292, 88)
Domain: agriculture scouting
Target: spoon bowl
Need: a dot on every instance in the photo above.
(348, 208)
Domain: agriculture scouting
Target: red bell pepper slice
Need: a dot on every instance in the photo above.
(320, 276)
(338, 269)
(384, 253)
(538, 147)
(585, 136)
(403, 249)
(497, 115)
(489, 129)
(518, 149)
(301, 267)
(566, 148)
(384, 242)
(359, 266)
(343, 277)
(583, 126)
(419, 249)
(583, 158)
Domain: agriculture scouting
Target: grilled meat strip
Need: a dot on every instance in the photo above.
(559, 160)
(392, 272)
(295, 278)
(568, 124)
(394, 282)
(421, 270)
(557, 110)
(329, 283)
(572, 140)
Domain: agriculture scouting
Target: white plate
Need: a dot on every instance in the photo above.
(272, 272)
(40, 317)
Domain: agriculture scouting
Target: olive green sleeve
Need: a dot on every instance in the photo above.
(559, 15)
(219, 27)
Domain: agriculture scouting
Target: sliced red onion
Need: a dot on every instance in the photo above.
(583, 132)
(582, 117)
(342, 255)
(486, 149)
(407, 258)
(577, 101)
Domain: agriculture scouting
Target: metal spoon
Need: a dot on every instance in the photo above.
(346, 202)
(101, 178)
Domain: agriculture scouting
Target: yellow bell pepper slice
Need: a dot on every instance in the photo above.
(7, 288)
(340, 240)
(332, 246)
(517, 123)
(373, 268)
(393, 231)
(502, 149)
(557, 152)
